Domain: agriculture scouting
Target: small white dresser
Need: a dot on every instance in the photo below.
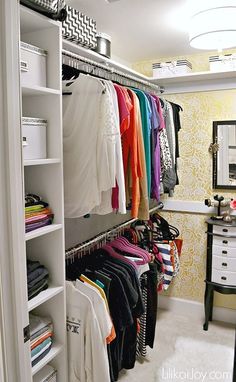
(221, 263)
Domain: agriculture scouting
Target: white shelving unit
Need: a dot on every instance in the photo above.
(197, 82)
(44, 177)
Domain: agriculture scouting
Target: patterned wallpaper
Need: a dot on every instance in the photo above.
(195, 175)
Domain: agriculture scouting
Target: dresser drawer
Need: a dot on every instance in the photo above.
(222, 230)
(223, 264)
(223, 277)
(225, 242)
(223, 251)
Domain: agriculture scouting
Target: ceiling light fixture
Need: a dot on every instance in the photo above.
(213, 25)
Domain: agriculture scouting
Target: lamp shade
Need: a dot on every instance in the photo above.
(213, 27)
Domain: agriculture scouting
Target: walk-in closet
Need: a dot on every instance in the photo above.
(118, 190)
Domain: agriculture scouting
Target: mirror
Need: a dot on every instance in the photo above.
(224, 154)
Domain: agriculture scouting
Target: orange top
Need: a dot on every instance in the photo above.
(131, 157)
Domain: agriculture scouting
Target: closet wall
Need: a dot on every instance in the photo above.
(195, 173)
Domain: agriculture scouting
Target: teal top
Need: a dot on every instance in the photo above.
(146, 112)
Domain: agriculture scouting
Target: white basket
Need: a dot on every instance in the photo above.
(33, 65)
(222, 63)
(171, 68)
(34, 138)
(47, 374)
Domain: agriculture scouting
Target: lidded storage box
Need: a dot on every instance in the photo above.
(171, 68)
(34, 138)
(79, 28)
(222, 63)
(47, 374)
(33, 65)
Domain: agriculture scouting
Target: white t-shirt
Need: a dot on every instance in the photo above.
(87, 358)
(114, 150)
(86, 146)
(99, 305)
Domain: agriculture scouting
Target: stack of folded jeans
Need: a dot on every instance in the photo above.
(41, 333)
(37, 278)
(37, 213)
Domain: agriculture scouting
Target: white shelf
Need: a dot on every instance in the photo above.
(197, 82)
(38, 162)
(42, 231)
(32, 21)
(44, 296)
(187, 83)
(87, 53)
(55, 350)
(38, 90)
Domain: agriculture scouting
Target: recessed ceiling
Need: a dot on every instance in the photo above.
(141, 29)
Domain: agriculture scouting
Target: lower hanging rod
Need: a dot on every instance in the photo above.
(99, 238)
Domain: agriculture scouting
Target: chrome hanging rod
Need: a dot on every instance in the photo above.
(71, 252)
(73, 59)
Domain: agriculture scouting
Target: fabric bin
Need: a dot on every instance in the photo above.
(79, 28)
(222, 63)
(47, 374)
(103, 45)
(33, 65)
(171, 68)
(34, 138)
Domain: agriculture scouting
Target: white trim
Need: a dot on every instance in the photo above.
(194, 309)
(187, 206)
(12, 247)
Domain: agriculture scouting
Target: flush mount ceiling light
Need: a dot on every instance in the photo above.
(213, 25)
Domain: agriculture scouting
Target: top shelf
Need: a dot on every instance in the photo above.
(197, 82)
(187, 83)
(87, 53)
(31, 21)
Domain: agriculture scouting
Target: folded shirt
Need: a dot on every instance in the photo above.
(37, 275)
(41, 356)
(32, 227)
(38, 323)
(38, 219)
(31, 266)
(42, 285)
(40, 348)
(38, 340)
(40, 333)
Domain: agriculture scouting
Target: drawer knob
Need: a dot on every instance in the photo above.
(224, 278)
(225, 230)
(225, 241)
(224, 252)
(224, 264)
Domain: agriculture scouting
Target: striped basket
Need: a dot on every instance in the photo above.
(79, 28)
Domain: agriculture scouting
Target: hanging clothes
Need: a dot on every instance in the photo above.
(120, 148)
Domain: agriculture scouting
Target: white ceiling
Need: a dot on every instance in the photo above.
(141, 29)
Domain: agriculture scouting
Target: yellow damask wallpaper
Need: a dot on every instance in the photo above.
(195, 175)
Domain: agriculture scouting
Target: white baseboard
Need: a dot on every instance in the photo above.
(195, 309)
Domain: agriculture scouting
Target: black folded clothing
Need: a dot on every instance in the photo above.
(42, 285)
(37, 278)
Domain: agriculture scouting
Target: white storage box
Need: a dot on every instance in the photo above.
(33, 65)
(222, 63)
(34, 138)
(171, 68)
(47, 374)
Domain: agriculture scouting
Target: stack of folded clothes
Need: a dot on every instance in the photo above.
(41, 333)
(37, 213)
(37, 278)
